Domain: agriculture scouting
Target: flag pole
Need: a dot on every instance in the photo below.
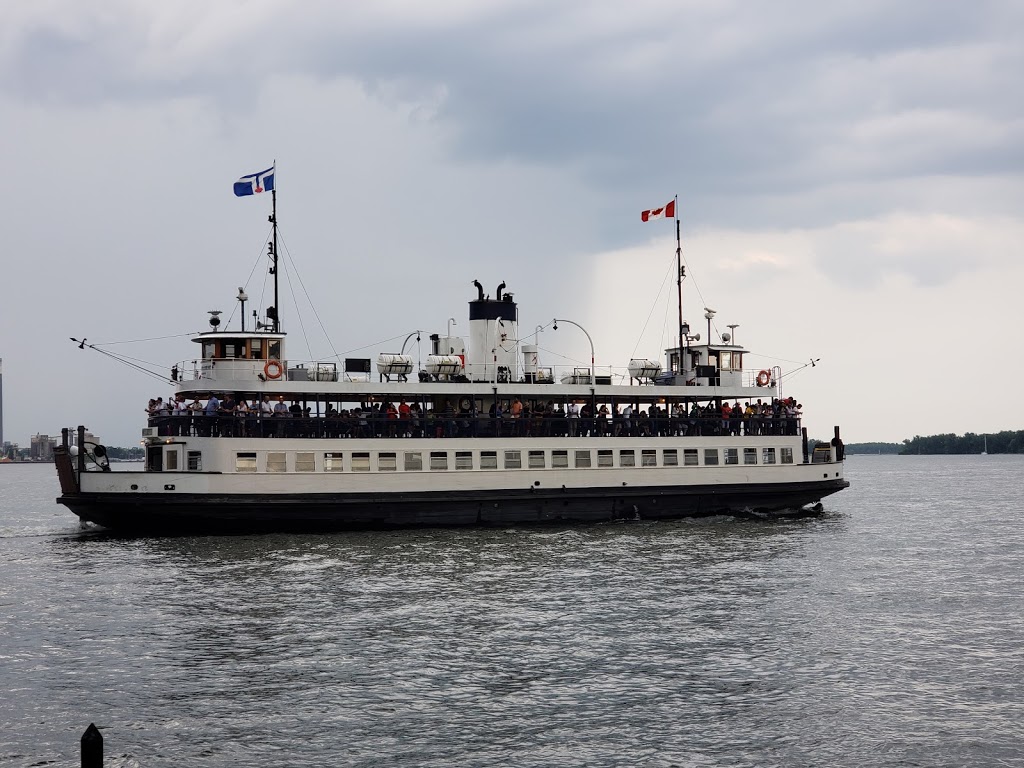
(273, 221)
(679, 284)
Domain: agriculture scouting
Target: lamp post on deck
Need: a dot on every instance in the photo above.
(554, 327)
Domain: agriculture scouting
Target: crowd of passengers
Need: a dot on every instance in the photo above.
(269, 417)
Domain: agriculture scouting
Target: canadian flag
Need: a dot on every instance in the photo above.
(667, 211)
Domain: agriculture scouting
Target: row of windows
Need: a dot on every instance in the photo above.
(442, 461)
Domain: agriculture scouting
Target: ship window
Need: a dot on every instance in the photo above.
(604, 458)
(195, 461)
(277, 461)
(463, 459)
(750, 455)
(361, 462)
(690, 457)
(732, 456)
(304, 462)
(387, 462)
(627, 459)
(209, 350)
(648, 458)
(439, 461)
(536, 460)
(245, 462)
(786, 455)
(230, 349)
(670, 457)
(560, 459)
(171, 462)
(333, 462)
(256, 348)
(725, 361)
(710, 456)
(582, 459)
(513, 460)
(768, 456)
(488, 460)
(274, 349)
(413, 461)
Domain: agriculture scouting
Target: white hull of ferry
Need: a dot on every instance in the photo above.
(274, 484)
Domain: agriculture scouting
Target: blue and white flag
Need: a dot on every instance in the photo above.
(255, 183)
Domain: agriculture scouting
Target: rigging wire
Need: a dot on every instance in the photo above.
(654, 305)
(82, 345)
(298, 314)
(256, 263)
(139, 341)
(298, 276)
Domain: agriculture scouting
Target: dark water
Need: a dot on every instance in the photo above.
(887, 632)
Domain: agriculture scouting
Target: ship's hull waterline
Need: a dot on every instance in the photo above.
(234, 513)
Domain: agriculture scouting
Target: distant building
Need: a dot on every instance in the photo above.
(41, 448)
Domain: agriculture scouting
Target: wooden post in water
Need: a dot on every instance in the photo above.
(92, 747)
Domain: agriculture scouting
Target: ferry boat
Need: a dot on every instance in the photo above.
(478, 433)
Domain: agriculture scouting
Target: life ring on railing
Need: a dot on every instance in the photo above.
(275, 366)
(763, 378)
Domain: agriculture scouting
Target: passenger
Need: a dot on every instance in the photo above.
(404, 418)
(195, 415)
(226, 416)
(517, 413)
(572, 413)
(210, 412)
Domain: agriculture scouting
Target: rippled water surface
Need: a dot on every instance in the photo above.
(887, 632)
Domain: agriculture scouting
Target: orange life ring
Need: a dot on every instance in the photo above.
(763, 378)
(278, 369)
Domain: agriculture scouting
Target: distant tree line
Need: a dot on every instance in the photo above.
(1001, 442)
(135, 452)
(892, 448)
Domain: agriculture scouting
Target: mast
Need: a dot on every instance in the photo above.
(679, 284)
(273, 252)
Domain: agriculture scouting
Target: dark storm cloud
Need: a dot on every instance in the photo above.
(736, 100)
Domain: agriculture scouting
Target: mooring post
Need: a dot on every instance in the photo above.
(92, 747)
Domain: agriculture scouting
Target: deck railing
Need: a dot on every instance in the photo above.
(371, 424)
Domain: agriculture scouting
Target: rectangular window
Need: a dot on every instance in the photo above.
(725, 360)
(582, 459)
(648, 458)
(277, 461)
(304, 462)
(768, 456)
(361, 462)
(559, 459)
(413, 461)
(195, 461)
(171, 462)
(463, 460)
(387, 462)
(690, 457)
(670, 458)
(488, 459)
(513, 460)
(627, 459)
(732, 456)
(787, 455)
(439, 461)
(332, 462)
(536, 460)
(710, 457)
(604, 459)
(750, 455)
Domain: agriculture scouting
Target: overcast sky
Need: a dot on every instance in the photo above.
(849, 178)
